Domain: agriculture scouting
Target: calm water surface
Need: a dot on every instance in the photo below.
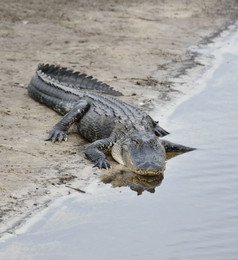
(193, 214)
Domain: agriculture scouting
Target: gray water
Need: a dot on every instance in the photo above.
(192, 214)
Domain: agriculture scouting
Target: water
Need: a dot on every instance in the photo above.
(191, 214)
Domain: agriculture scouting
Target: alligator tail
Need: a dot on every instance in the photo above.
(76, 79)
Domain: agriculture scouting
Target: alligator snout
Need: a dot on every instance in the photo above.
(150, 166)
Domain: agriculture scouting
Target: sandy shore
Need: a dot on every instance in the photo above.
(141, 48)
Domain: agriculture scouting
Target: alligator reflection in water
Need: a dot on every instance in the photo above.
(120, 177)
(137, 183)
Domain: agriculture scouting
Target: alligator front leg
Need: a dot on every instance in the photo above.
(172, 147)
(59, 131)
(159, 131)
(94, 152)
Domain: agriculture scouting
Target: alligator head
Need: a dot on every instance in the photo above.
(141, 153)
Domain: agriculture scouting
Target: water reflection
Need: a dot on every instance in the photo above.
(135, 182)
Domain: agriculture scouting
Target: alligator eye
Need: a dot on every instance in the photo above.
(154, 143)
(135, 142)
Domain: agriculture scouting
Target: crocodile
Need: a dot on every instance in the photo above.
(112, 126)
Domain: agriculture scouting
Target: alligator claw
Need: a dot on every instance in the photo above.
(57, 135)
(102, 163)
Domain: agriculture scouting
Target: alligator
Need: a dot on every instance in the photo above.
(112, 126)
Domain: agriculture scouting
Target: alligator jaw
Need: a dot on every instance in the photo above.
(149, 172)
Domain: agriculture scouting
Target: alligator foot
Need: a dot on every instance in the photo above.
(159, 131)
(57, 134)
(172, 147)
(94, 152)
(59, 131)
(102, 163)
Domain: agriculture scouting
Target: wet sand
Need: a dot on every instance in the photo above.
(141, 49)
